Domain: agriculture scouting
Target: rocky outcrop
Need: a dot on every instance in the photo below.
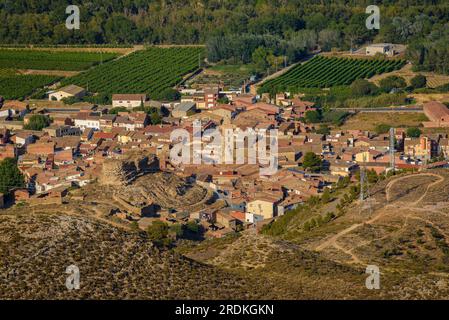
(123, 171)
(167, 190)
(136, 180)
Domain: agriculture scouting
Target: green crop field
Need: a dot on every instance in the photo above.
(52, 60)
(149, 71)
(14, 86)
(323, 72)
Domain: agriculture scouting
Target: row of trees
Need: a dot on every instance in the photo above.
(362, 87)
(250, 47)
(230, 27)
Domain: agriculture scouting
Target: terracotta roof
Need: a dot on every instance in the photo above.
(436, 110)
(71, 89)
(129, 97)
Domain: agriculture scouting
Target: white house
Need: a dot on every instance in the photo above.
(14, 108)
(67, 92)
(253, 218)
(85, 120)
(260, 207)
(22, 138)
(383, 48)
(128, 100)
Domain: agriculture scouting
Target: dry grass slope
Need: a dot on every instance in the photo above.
(36, 249)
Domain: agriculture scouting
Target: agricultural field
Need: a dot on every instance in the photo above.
(324, 72)
(52, 60)
(148, 71)
(14, 86)
(433, 79)
(231, 76)
(369, 121)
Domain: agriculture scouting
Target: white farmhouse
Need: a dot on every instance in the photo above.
(84, 120)
(128, 100)
(383, 48)
(67, 92)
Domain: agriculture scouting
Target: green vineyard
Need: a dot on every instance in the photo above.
(52, 60)
(19, 86)
(149, 71)
(323, 72)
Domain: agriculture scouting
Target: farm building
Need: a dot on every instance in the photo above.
(128, 100)
(14, 108)
(437, 113)
(184, 109)
(67, 92)
(383, 48)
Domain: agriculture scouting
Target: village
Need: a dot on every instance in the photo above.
(69, 151)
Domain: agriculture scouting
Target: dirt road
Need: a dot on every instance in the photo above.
(333, 240)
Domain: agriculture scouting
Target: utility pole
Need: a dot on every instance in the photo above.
(362, 180)
(364, 188)
(392, 150)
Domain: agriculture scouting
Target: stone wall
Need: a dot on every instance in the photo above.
(123, 171)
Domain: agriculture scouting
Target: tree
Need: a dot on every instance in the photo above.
(312, 162)
(329, 38)
(37, 122)
(116, 110)
(418, 81)
(192, 226)
(326, 196)
(177, 229)
(372, 176)
(313, 116)
(316, 21)
(158, 232)
(10, 176)
(392, 82)
(362, 87)
(223, 100)
(413, 132)
(168, 94)
(155, 117)
(260, 59)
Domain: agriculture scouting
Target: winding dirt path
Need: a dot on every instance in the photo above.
(333, 240)
(391, 183)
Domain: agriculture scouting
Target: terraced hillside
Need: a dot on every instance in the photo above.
(324, 72)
